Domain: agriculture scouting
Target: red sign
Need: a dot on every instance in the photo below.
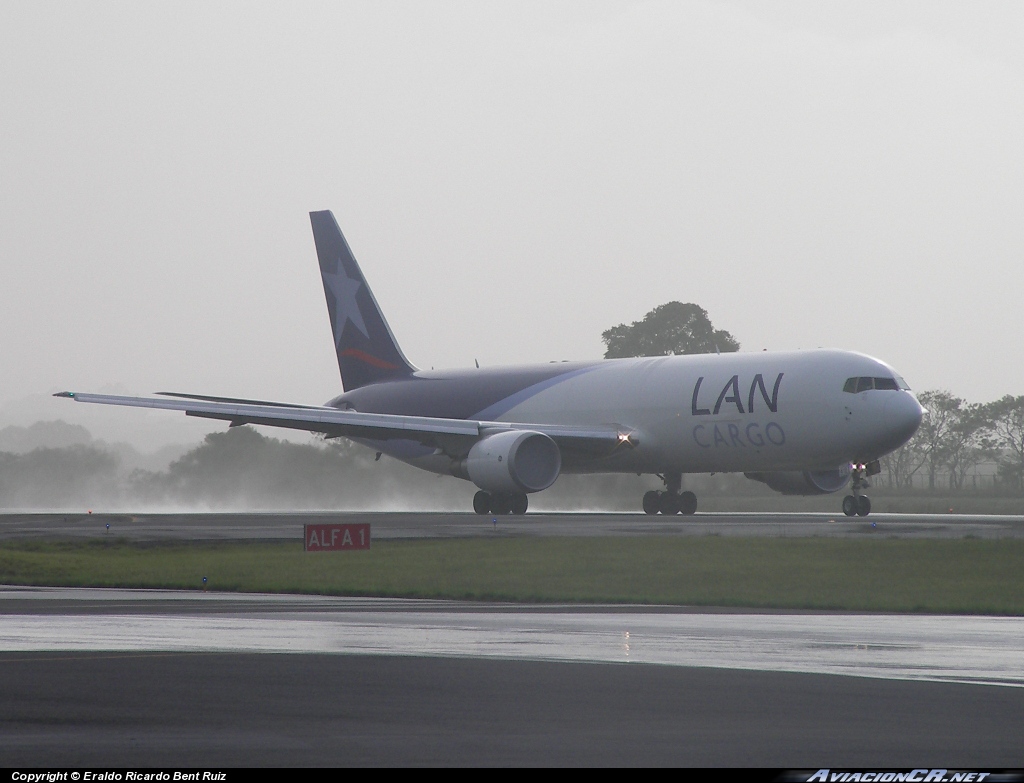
(331, 538)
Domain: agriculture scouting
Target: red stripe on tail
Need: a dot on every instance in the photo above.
(355, 353)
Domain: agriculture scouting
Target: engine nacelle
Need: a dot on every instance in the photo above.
(514, 461)
(804, 482)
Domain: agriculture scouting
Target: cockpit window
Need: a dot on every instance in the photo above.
(854, 385)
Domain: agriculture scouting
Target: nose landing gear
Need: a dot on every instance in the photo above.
(672, 501)
(858, 505)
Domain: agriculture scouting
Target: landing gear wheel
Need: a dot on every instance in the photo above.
(850, 506)
(668, 503)
(482, 502)
(501, 503)
(520, 503)
(652, 502)
(863, 506)
(688, 503)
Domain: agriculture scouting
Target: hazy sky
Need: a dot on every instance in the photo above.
(514, 178)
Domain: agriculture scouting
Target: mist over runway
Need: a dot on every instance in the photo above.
(270, 526)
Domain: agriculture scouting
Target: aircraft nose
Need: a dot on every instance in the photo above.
(903, 415)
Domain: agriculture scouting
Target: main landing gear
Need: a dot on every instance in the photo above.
(857, 505)
(500, 503)
(672, 501)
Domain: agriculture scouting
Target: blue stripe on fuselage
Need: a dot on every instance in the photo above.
(503, 406)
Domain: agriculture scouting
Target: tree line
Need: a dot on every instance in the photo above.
(242, 469)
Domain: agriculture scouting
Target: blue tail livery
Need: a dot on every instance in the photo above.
(367, 350)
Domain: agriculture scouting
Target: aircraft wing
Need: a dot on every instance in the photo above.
(455, 436)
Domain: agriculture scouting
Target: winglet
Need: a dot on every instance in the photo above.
(367, 350)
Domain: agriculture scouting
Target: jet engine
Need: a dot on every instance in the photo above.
(514, 461)
(805, 482)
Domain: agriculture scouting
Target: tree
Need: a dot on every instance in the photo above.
(901, 465)
(671, 328)
(937, 431)
(1006, 420)
(73, 476)
(969, 443)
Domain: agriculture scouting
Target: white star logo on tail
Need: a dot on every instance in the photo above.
(344, 289)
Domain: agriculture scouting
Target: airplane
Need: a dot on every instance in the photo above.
(802, 422)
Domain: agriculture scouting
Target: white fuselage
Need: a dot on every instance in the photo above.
(725, 412)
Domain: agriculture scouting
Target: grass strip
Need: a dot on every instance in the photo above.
(893, 575)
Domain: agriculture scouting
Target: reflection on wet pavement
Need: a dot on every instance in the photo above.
(950, 648)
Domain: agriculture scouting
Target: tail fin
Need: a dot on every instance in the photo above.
(367, 351)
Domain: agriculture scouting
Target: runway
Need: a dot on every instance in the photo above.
(125, 677)
(392, 525)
